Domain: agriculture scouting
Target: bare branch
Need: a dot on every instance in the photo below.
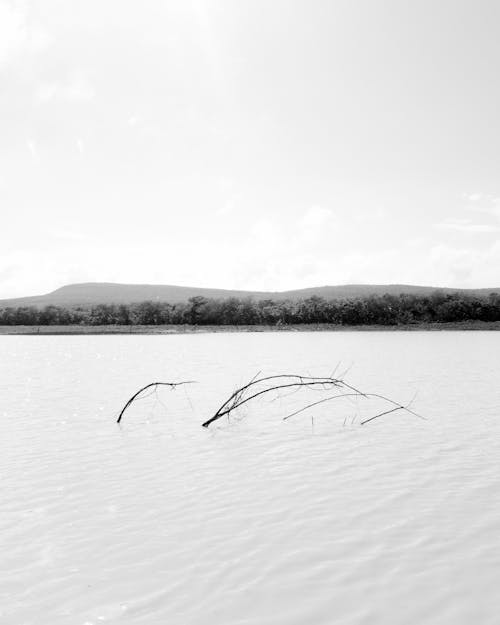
(293, 383)
(283, 386)
(154, 386)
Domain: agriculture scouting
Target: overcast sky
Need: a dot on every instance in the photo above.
(257, 144)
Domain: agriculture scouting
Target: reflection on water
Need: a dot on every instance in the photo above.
(259, 522)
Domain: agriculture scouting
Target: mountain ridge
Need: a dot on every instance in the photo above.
(94, 293)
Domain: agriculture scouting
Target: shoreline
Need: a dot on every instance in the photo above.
(195, 329)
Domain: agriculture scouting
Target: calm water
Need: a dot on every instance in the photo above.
(258, 522)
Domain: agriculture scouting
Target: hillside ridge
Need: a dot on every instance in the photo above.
(93, 293)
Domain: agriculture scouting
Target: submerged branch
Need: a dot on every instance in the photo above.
(283, 385)
(154, 386)
(247, 392)
(366, 396)
(294, 383)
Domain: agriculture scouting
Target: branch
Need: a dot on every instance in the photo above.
(296, 383)
(244, 394)
(366, 396)
(135, 397)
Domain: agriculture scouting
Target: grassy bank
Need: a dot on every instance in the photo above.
(197, 329)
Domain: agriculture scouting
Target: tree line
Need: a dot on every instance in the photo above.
(385, 310)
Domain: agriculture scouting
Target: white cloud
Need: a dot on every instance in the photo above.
(316, 216)
(32, 149)
(313, 226)
(76, 88)
(68, 236)
(229, 207)
(467, 226)
(266, 260)
(486, 203)
(285, 254)
(466, 267)
(440, 265)
(16, 35)
(13, 33)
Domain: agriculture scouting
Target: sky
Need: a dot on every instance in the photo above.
(250, 144)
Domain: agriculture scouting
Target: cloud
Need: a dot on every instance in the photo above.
(229, 207)
(485, 203)
(32, 149)
(68, 236)
(284, 254)
(315, 216)
(466, 267)
(314, 247)
(75, 88)
(16, 35)
(314, 226)
(467, 226)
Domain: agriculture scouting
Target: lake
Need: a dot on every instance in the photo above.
(253, 521)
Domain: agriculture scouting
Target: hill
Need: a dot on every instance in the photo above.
(92, 293)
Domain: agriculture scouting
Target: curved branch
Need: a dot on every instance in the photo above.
(234, 398)
(322, 401)
(360, 394)
(238, 398)
(134, 397)
(291, 381)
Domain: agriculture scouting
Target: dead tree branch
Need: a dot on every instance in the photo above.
(275, 383)
(293, 383)
(154, 386)
(366, 396)
(283, 385)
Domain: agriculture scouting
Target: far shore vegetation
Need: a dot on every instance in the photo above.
(436, 311)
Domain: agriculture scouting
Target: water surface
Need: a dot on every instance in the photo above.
(257, 522)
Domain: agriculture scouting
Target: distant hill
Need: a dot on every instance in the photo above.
(92, 293)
